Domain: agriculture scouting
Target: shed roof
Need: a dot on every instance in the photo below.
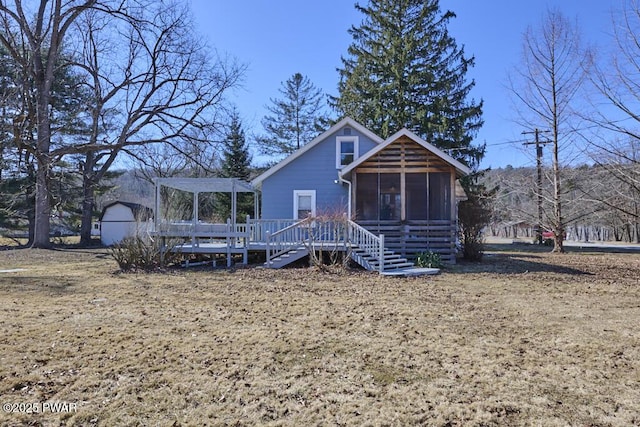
(206, 185)
(139, 211)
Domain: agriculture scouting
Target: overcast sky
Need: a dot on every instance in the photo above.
(278, 38)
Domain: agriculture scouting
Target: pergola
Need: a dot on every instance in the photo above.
(206, 185)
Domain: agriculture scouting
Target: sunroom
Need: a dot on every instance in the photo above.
(406, 189)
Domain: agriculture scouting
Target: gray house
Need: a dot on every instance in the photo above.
(403, 187)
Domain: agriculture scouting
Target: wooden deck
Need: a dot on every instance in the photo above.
(279, 239)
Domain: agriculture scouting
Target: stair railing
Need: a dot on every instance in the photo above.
(371, 244)
(286, 239)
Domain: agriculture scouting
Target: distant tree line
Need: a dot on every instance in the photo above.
(599, 205)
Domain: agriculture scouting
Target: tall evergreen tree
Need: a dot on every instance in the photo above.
(403, 69)
(236, 163)
(295, 119)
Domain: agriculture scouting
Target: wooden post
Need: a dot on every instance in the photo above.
(156, 214)
(234, 202)
(228, 233)
(267, 239)
(256, 202)
(403, 194)
(195, 217)
(381, 265)
(245, 240)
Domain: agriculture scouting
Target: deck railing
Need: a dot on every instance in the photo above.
(234, 234)
(307, 231)
(278, 236)
(368, 242)
(286, 239)
(258, 228)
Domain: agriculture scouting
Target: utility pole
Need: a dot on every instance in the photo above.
(538, 145)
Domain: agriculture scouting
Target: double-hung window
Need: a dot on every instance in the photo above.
(304, 203)
(346, 150)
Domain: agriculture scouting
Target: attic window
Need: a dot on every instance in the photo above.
(346, 150)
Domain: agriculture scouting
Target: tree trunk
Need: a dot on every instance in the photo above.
(88, 203)
(558, 241)
(43, 160)
(88, 199)
(42, 207)
(31, 216)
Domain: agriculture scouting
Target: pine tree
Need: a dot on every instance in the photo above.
(236, 163)
(403, 69)
(295, 119)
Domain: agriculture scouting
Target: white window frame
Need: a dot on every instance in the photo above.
(296, 195)
(339, 141)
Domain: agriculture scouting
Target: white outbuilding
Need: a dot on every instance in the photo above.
(124, 219)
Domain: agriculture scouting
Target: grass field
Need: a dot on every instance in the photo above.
(523, 338)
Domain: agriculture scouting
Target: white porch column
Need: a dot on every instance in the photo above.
(234, 202)
(196, 202)
(156, 216)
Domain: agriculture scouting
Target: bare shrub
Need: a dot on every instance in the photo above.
(141, 253)
(328, 240)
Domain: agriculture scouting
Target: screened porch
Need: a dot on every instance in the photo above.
(408, 193)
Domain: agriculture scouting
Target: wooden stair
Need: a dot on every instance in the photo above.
(392, 261)
(288, 257)
(287, 245)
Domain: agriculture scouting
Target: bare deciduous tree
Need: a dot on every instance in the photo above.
(545, 86)
(150, 78)
(153, 82)
(614, 141)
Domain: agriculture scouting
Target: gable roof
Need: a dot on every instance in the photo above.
(347, 121)
(461, 169)
(139, 211)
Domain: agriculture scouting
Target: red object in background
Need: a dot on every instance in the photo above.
(550, 234)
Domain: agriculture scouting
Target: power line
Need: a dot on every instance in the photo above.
(572, 129)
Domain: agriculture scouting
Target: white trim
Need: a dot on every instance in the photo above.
(460, 168)
(298, 193)
(341, 179)
(356, 151)
(347, 121)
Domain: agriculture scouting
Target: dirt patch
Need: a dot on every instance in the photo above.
(520, 337)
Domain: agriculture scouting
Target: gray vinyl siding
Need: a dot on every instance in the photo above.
(314, 170)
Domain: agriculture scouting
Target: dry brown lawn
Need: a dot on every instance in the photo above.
(521, 339)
